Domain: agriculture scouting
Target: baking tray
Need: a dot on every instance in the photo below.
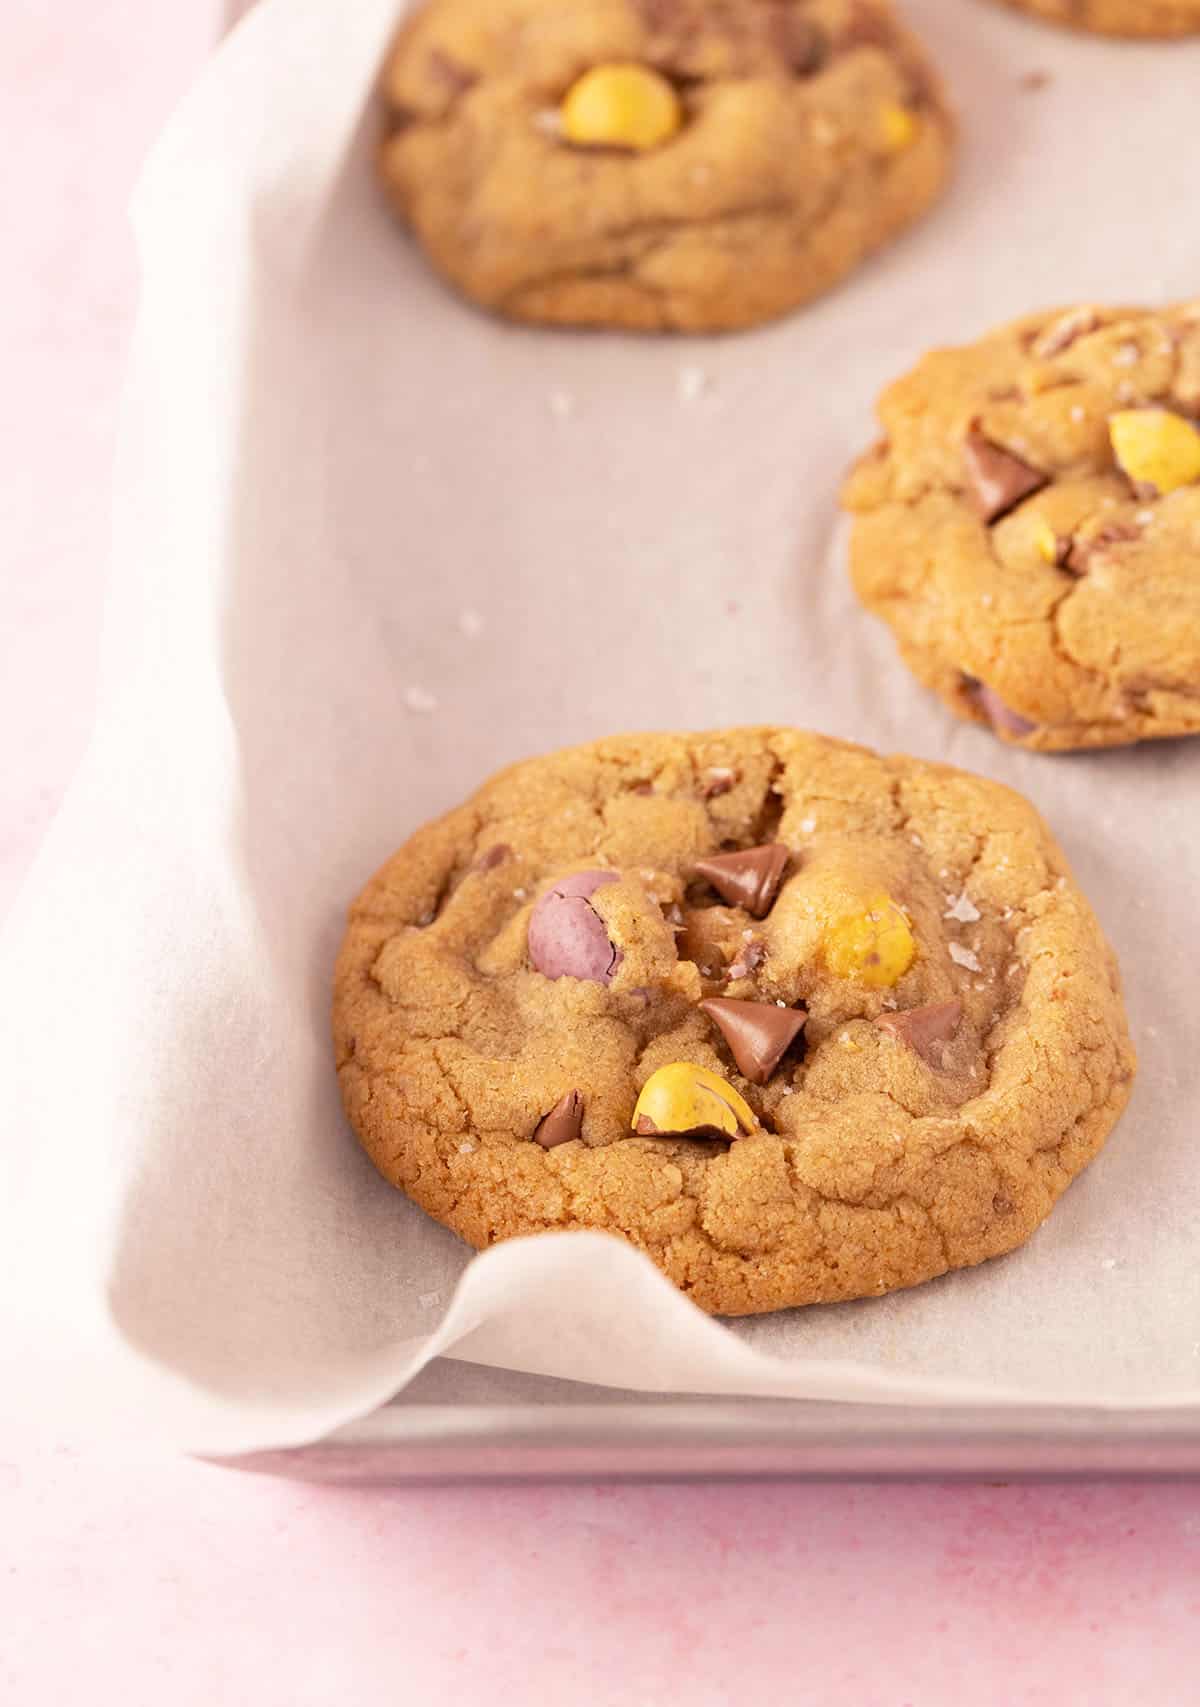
(459, 1422)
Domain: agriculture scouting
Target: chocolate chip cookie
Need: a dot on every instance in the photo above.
(1119, 17)
(799, 1022)
(1029, 526)
(681, 165)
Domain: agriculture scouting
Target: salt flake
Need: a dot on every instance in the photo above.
(963, 957)
(963, 909)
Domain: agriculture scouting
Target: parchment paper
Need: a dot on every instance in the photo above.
(371, 545)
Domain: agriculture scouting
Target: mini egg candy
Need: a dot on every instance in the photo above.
(567, 936)
(873, 945)
(621, 106)
(682, 1100)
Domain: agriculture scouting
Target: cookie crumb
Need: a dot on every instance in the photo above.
(691, 383)
(419, 700)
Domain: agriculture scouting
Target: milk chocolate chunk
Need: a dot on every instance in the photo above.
(924, 1029)
(563, 1123)
(999, 481)
(758, 1033)
(749, 878)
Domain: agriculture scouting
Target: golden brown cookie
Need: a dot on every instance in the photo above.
(799, 1022)
(1029, 526)
(667, 165)
(1119, 17)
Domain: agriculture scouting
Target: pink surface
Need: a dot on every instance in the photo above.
(142, 1581)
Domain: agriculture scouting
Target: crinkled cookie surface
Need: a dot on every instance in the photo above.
(1029, 526)
(1119, 17)
(680, 165)
(912, 1035)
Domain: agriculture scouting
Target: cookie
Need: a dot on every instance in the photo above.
(1119, 17)
(799, 1022)
(681, 165)
(1029, 526)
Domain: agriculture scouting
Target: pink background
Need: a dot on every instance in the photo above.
(149, 1580)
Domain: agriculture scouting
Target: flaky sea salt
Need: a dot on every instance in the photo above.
(419, 700)
(963, 909)
(520, 894)
(466, 1149)
(807, 826)
(963, 957)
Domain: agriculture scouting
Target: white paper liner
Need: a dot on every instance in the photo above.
(370, 546)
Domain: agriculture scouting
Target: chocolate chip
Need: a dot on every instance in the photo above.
(563, 1123)
(493, 857)
(797, 41)
(923, 1029)
(999, 481)
(865, 27)
(660, 15)
(1081, 551)
(749, 878)
(456, 78)
(758, 1033)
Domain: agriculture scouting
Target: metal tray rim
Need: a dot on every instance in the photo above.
(743, 1440)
